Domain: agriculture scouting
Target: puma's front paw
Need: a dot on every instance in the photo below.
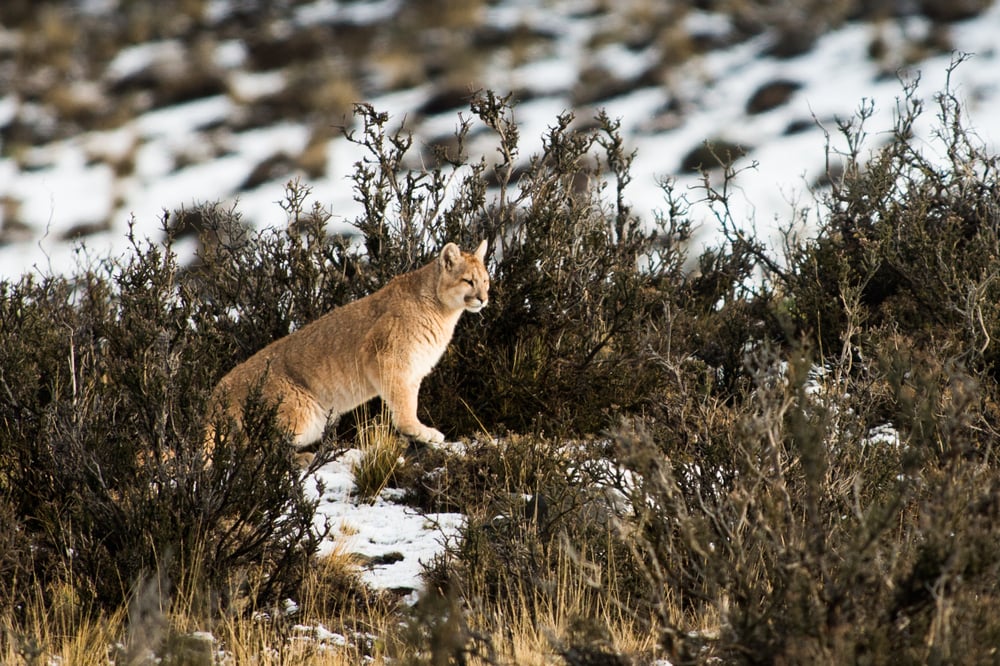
(422, 433)
(435, 436)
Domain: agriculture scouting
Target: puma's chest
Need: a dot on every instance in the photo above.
(428, 342)
(423, 359)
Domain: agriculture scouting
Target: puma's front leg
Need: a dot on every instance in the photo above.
(402, 402)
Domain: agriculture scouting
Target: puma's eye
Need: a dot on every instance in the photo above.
(469, 282)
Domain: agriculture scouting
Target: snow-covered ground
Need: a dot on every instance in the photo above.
(183, 154)
(396, 538)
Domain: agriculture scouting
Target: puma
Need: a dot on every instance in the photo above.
(381, 345)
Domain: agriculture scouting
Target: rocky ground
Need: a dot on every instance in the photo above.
(113, 112)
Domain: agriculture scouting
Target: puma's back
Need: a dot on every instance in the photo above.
(381, 345)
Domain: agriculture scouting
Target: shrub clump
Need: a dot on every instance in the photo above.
(836, 507)
(102, 464)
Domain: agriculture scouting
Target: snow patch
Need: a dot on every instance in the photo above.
(395, 538)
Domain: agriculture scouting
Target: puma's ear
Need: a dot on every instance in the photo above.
(481, 251)
(450, 256)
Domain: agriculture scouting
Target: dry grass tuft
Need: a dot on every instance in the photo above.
(381, 454)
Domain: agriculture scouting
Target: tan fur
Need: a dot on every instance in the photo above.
(381, 345)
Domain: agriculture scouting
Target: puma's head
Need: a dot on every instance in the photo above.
(463, 282)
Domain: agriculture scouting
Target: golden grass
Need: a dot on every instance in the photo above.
(56, 629)
(581, 603)
(381, 450)
(59, 631)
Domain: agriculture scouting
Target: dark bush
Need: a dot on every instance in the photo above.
(909, 243)
(826, 512)
(582, 290)
(104, 376)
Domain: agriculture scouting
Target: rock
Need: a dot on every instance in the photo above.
(712, 154)
(771, 95)
(277, 165)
